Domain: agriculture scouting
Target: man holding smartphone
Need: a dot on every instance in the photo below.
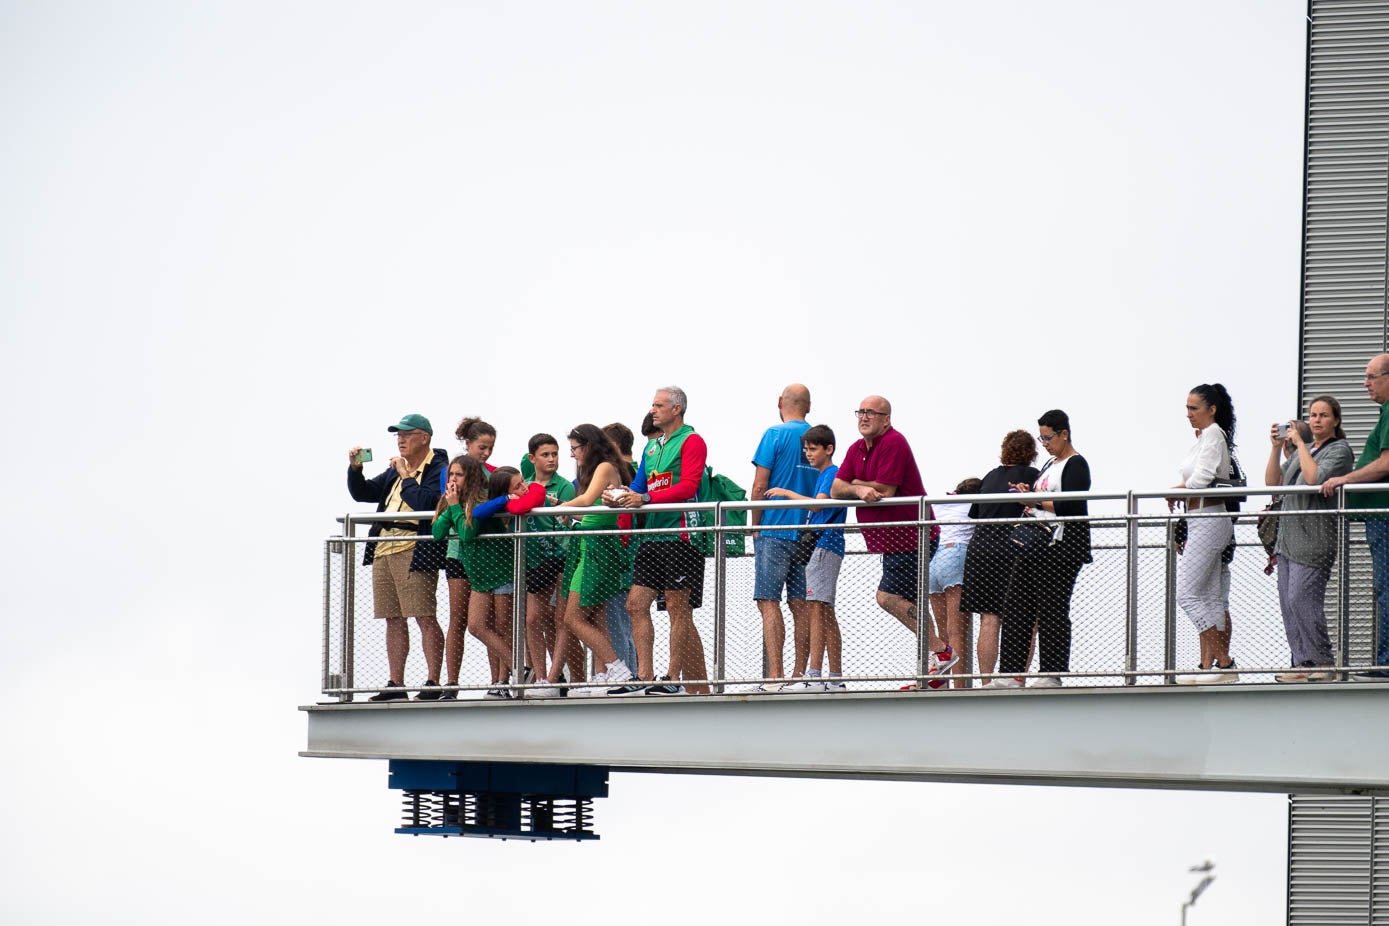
(404, 572)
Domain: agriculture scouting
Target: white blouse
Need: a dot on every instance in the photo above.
(1207, 460)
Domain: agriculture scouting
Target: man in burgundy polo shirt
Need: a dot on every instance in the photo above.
(880, 465)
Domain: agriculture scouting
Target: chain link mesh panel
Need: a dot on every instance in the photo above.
(878, 647)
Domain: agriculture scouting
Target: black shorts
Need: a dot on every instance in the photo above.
(453, 569)
(670, 566)
(541, 577)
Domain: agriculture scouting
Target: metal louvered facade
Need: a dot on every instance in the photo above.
(1338, 860)
(1338, 846)
(1345, 314)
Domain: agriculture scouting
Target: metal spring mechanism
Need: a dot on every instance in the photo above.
(498, 800)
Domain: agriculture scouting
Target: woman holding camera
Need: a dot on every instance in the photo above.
(1316, 450)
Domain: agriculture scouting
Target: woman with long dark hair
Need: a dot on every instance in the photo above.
(1211, 414)
(601, 565)
(1317, 450)
(1039, 594)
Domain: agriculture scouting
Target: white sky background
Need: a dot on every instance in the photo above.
(237, 239)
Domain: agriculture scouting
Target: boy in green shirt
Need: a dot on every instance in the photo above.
(545, 556)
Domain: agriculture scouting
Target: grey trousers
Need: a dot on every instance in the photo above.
(1302, 599)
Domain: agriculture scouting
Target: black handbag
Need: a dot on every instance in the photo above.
(805, 545)
(1030, 538)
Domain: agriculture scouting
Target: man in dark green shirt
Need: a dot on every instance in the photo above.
(1373, 466)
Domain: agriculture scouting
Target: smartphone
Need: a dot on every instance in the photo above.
(1283, 431)
(363, 456)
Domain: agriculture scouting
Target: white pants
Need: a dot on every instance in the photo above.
(1199, 589)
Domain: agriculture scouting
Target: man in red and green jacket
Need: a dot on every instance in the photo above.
(669, 472)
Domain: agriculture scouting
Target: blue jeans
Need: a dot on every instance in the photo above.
(620, 631)
(1377, 537)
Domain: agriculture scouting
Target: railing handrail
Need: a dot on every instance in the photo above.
(1130, 518)
(994, 498)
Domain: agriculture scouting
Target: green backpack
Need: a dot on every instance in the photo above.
(716, 488)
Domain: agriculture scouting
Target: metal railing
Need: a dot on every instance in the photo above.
(1123, 607)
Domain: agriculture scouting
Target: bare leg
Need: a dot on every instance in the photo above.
(459, 593)
(432, 641)
(956, 624)
(989, 628)
(773, 635)
(498, 649)
(582, 625)
(905, 611)
(539, 619)
(686, 648)
(397, 647)
(817, 635)
(800, 630)
(833, 641)
(639, 601)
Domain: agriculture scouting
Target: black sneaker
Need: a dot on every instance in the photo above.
(429, 695)
(498, 694)
(634, 687)
(392, 691)
(664, 686)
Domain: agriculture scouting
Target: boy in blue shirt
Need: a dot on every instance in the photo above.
(822, 572)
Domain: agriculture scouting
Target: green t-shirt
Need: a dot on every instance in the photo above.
(549, 547)
(1375, 444)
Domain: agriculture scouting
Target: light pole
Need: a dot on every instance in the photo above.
(1205, 868)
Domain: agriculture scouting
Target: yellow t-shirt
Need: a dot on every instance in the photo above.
(395, 503)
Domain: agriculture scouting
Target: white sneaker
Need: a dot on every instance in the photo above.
(617, 673)
(1045, 683)
(543, 692)
(1216, 675)
(805, 685)
(1005, 683)
(767, 688)
(835, 684)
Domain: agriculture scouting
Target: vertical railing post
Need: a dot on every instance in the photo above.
(1343, 585)
(720, 592)
(1131, 605)
(518, 607)
(349, 608)
(328, 547)
(923, 602)
(1169, 603)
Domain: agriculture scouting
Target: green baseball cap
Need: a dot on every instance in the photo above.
(413, 423)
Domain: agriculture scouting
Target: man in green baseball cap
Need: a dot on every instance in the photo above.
(413, 422)
(405, 571)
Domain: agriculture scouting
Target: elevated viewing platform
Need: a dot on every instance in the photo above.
(1119, 718)
(1309, 738)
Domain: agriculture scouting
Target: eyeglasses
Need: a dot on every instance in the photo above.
(1047, 438)
(1371, 377)
(868, 413)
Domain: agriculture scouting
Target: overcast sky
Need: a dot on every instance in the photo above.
(237, 239)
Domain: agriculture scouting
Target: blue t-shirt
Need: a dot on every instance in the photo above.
(831, 539)
(780, 451)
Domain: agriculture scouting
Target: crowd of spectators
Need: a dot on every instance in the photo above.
(1015, 564)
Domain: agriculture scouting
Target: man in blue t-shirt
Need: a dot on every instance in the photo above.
(780, 462)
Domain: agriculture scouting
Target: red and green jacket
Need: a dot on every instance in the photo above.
(670, 471)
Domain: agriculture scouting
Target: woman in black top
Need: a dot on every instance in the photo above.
(1040, 593)
(989, 556)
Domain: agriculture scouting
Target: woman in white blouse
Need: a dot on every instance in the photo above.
(1212, 415)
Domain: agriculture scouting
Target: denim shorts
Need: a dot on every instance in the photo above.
(899, 575)
(948, 567)
(775, 571)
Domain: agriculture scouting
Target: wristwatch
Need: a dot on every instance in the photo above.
(646, 498)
